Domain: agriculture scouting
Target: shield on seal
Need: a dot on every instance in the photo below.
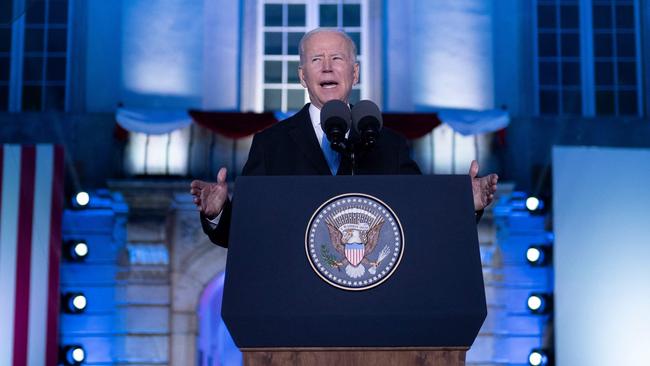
(354, 253)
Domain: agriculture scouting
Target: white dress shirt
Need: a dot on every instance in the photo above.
(314, 115)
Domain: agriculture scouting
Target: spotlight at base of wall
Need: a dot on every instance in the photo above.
(73, 354)
(81, 199)
(75, 250)
(74, 302)
(540, 303)
(540, 357)
(535, 205)
(539, 255)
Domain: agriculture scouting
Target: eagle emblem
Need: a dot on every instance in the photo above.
(343, 238)
(353, 233)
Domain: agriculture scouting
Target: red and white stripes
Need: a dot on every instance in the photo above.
(31, 182)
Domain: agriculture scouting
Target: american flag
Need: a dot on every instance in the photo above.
(31, 200)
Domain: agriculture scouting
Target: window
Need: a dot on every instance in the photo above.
(6, 10)
(34, 77)
(558, 57)
(45, 56)
(588, 57)
(283, 25)
(615, 57)
(165, 154)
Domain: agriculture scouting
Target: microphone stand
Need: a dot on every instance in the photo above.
(360, 146)
(347, 149)
(354, 147)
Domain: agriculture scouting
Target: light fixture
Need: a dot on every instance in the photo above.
(75, 250)
(81, 199)
(74, 302)
(539, 255)
(534, 204)
(538, 357)
(73, 354)
(539, 303)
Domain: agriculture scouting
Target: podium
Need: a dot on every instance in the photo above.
(295, 292)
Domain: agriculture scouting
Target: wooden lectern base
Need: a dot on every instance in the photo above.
(354, 356)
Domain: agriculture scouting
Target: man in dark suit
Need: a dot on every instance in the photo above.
(297, 146)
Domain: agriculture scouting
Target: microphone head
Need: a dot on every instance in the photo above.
(366, 115)
(335, 119)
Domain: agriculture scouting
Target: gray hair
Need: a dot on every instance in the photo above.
(351, 45)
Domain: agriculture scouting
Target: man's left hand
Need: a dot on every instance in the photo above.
(483, 188)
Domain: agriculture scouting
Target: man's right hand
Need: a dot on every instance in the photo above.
(209, 198)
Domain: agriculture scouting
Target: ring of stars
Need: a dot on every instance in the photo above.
(322, 255)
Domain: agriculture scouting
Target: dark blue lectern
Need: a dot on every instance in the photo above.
(293, 238)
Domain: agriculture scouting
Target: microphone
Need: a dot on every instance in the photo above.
(367, 121)
(335, 120)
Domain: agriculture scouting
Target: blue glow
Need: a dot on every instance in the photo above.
(602, 278)
(452, 54)
(162, 47)
(214, 341)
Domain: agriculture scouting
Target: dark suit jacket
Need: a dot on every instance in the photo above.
(290, 147)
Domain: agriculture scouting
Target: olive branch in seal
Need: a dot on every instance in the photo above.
(329, 258)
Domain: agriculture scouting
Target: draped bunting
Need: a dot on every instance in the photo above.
(411, 125)
(469, 122)
(238, 125)
(151, 121)
(234, 125)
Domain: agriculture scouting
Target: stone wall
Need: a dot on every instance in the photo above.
(144, 275)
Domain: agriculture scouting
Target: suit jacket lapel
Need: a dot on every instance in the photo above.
(304, 137)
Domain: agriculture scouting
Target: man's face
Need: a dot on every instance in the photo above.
(328, 70)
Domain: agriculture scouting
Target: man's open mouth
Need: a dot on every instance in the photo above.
(328, 84)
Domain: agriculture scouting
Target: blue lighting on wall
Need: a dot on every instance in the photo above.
(452, 53)
(162, 44)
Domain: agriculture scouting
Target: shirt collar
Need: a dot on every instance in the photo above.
(314, 115)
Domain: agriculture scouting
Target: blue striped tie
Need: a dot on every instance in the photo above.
(333, 158)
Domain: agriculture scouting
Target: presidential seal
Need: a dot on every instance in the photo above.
(354, 241)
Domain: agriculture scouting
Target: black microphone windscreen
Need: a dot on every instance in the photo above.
(366, 112)
(335, 113)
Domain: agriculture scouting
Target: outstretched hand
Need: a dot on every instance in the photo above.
(483, 188)
(209, 198)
